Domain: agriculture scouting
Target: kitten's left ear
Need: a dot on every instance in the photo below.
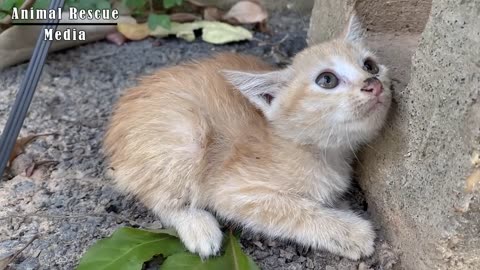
(353, 31)
(259, 88)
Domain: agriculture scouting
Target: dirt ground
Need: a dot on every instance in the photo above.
(70, 205)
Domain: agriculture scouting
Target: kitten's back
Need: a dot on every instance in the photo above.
(173, 120)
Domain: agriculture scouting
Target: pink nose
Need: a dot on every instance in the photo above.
(372, 85)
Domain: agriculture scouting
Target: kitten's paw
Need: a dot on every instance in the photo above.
(359, 241)
(201, 234)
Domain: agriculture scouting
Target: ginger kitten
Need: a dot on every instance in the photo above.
(267, 149)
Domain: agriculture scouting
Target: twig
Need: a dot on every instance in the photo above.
(9, 261)
(26, 5)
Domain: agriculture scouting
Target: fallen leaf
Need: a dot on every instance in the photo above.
(472, 181)
(180, 30)
(221, 33)
(116, 38)
(198, 3)
(129, 248)
(183, 17)
(212, 32)
(31, 169)
(263, 27)
(233, 258)
(134, 31)
(246, 12)
(212, 14)
(23, 142)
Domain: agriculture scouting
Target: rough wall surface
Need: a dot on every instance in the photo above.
(415, 175)
(394, 16)
(378, 16)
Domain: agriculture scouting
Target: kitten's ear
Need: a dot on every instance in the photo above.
(353, 31)
(259, 88)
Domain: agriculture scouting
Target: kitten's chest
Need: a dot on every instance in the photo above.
(326, 178)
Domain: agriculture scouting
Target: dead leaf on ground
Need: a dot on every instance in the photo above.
(212, 32)
(134, 31)
(22, 143)
(198, 3)
(472, 181)
(116, 38)
(246, 12)
(212, 14)
(36, 164)
(222, 33)
(183, 17)
(263, 27)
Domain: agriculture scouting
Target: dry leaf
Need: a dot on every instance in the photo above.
(221, 33)
(23, 142)
(134, 31)
(183, 17)
(31, 169)
(212, 14)
(213, 32)
(180, 30)
(116, 38)
(198, 3)
(246, 12)
(263, 28)
(472, 181)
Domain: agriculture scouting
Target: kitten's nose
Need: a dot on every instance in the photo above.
(372, 85)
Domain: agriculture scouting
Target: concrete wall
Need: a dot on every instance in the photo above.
(415, 177)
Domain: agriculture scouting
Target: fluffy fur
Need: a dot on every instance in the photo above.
(202, 138)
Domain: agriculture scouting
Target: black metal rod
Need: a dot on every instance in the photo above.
(27, 89)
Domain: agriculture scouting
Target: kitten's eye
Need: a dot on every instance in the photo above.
(327, 80)
(370, 66)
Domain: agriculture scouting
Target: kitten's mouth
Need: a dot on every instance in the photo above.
(376, 104)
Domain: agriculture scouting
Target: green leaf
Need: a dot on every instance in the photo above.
(104, 5)
(233, 259)
(171, 3)
(155, 20)
(129, 248)
(135, 4)
(7, 5)
(41, 4)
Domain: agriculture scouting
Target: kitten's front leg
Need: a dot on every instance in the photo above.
(292, 217)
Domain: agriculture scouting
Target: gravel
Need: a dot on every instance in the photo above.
(70, 205)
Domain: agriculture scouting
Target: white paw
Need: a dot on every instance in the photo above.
(359, 241)
(200, 233)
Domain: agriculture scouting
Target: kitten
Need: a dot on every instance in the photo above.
(267, 149)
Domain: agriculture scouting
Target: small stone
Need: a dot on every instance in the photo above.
(309, 264)
(363, 266)
(286, 254)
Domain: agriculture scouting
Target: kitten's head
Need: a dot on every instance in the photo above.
(335, 94)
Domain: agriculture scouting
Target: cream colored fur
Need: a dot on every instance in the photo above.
(198, 138)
